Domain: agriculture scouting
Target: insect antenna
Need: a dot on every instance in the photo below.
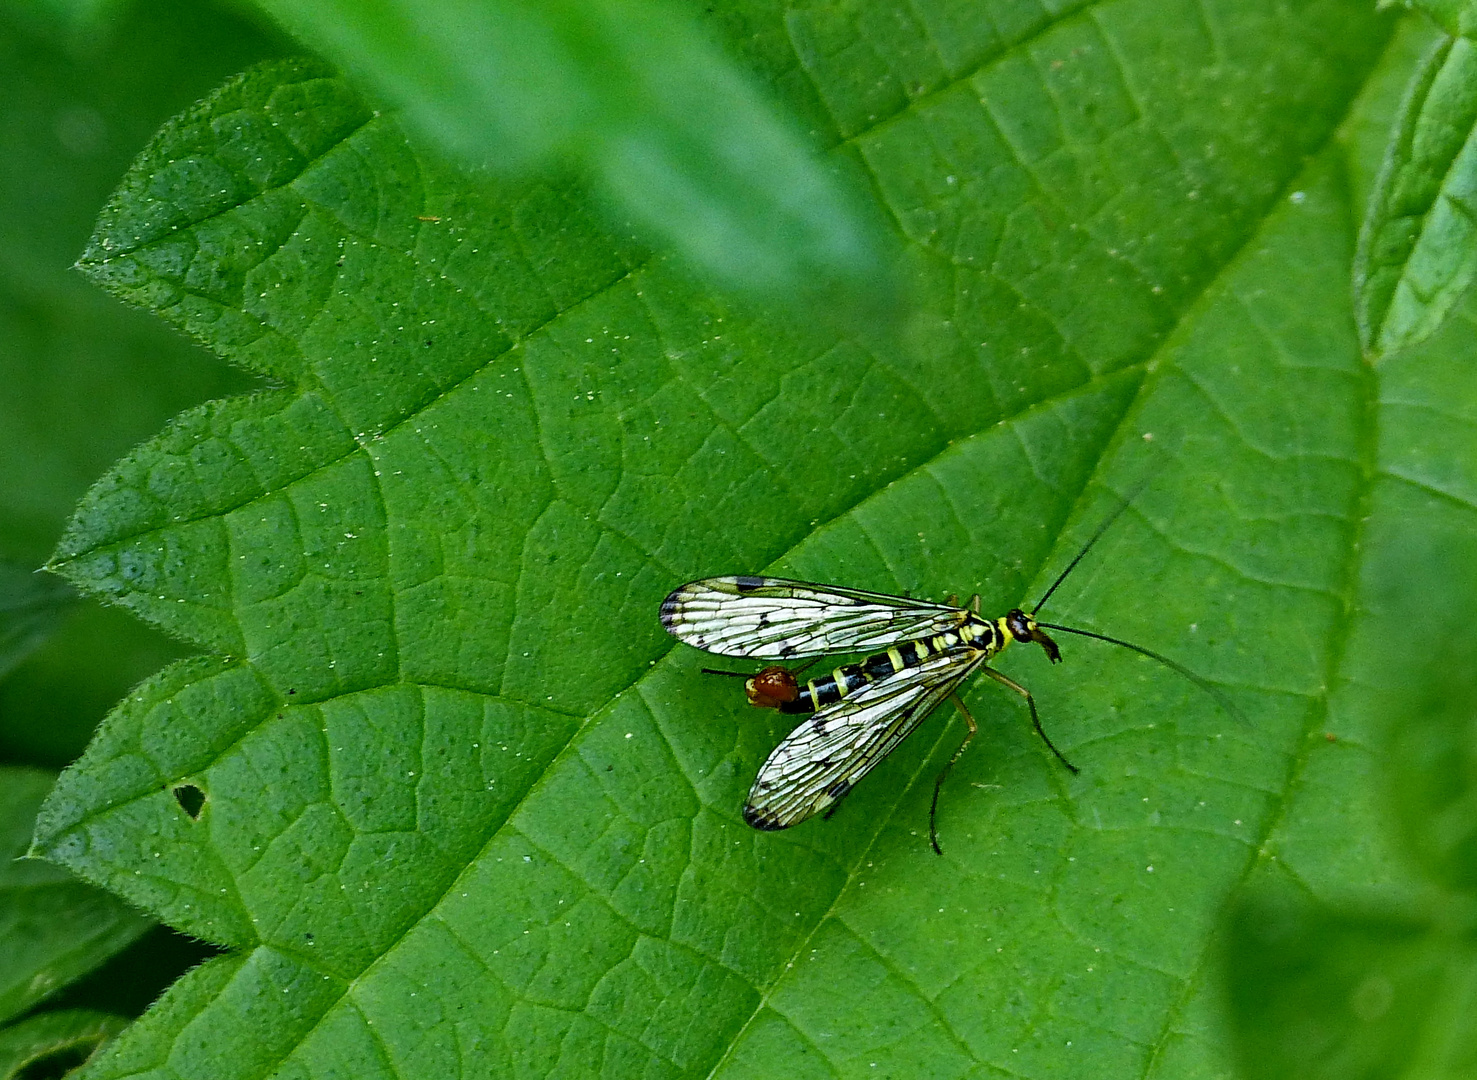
(1091, 540)
(1215, 692)
(1174, 665)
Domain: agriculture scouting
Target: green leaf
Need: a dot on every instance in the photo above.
(1456, 17)
(467, 811)
(1325, 990)
(1418, 247)
(55, 928)
(48, 1044)
(31, 608)
(670, 130)
(1381, 980)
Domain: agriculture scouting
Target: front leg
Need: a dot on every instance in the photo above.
(1035, 719)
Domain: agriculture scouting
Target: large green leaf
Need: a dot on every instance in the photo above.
(467, 811)
(1384, 984)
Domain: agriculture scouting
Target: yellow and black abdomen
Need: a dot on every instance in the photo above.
(847, 679)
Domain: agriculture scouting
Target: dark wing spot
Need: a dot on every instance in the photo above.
(787, 650)
(818, 726)
(761, 819)
(670, 608)
(748, 583)
(839, 789)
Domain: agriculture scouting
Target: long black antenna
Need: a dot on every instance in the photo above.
(1210, 688)
(1127, 500)
(1215, 692)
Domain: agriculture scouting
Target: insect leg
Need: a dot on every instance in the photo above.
(1035, 720)
(933, 809)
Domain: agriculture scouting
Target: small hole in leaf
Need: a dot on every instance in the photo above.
(190, 799)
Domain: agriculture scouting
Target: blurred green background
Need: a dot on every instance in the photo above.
(85, 378)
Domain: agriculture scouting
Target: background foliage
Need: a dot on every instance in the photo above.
(437, 781)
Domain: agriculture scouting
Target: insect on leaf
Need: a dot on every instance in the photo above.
(465, 811)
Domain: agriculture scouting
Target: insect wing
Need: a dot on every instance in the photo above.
(825, 756)
(771, 617)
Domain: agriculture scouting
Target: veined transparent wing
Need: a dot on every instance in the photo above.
(829, 752)
(765, 617)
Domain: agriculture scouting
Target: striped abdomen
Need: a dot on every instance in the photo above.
(828, 689)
